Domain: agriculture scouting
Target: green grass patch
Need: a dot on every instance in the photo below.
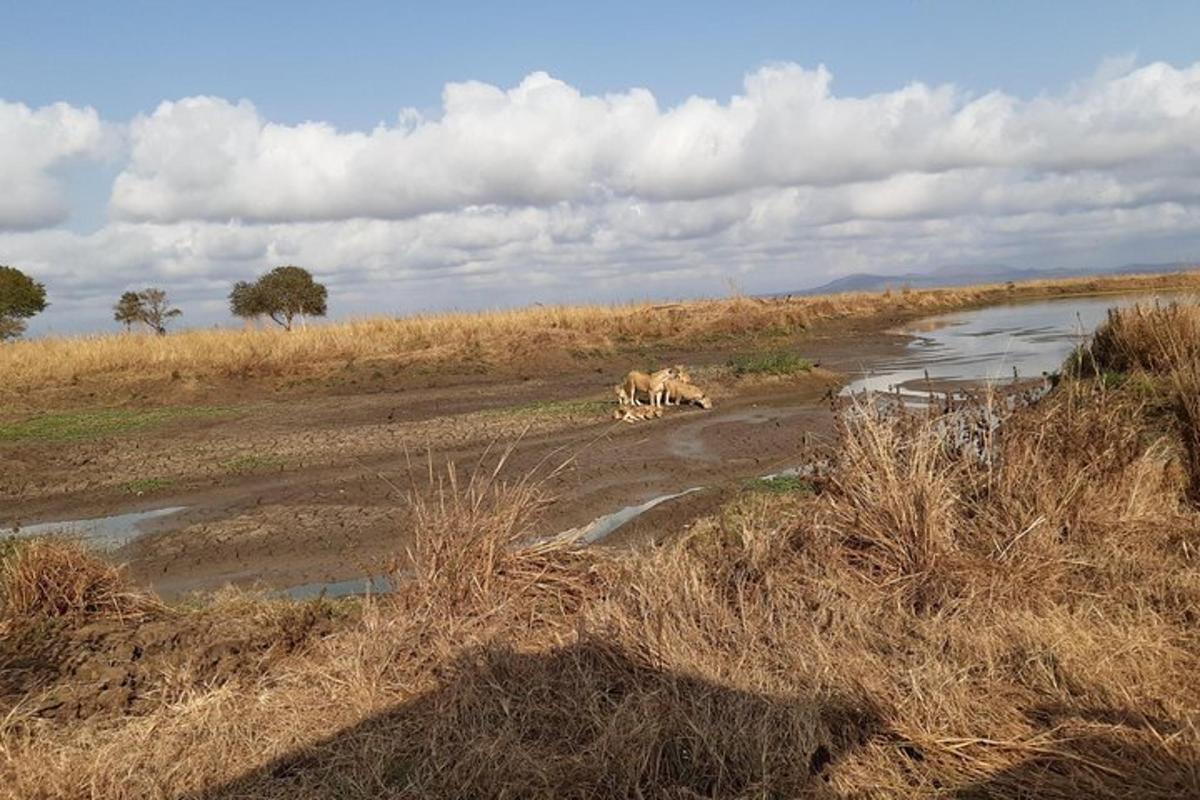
(8, 548)
(556, 408)
(774, 362)
(252, 462)
(146, 485)
(94, 424)
(782, 484)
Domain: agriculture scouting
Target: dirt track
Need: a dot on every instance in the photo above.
(289, 492)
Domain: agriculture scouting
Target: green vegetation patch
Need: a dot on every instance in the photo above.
(252, 462)
(8, 549)
(147, 485)
(75, 425)
(782, 484)
(774, 362)
(556, 408)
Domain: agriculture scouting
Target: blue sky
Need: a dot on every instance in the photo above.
(419, 218)
(354, 64)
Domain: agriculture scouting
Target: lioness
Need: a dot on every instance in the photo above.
(687, 393)
(653, 385)
(681, 376)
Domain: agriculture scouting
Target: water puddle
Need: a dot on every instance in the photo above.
(603, 526)
(104, 533)
(378, 584)
(993, 344)
(590, 533)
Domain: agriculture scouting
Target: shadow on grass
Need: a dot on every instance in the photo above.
(589, 720)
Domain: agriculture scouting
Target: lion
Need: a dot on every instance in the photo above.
(681, 376)
(687, 393)
(653, 385)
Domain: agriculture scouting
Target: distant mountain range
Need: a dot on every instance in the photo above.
(967, 275)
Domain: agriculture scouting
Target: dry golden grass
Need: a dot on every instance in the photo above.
(1161, 343)
(1156, 339)
(487, 340)
(927, 623)
(47, 578)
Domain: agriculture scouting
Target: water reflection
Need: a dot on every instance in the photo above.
(104, 533)
(988, 344)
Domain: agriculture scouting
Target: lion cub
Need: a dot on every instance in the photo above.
(653, 385)
(687, 393)
(637, 414)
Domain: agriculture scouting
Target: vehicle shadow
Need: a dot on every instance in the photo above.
(588, 720)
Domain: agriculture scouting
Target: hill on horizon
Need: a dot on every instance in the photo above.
(965, 275)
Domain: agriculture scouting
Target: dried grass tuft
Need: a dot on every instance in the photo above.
(46, 578)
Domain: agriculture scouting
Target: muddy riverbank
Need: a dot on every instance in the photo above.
(306, 491)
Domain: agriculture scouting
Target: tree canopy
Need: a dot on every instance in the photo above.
(20, 298)
(282, 294)
(149, 306)
(128, 309)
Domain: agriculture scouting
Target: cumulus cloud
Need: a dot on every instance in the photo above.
(541, 192)
(35, 144)
(543, 142)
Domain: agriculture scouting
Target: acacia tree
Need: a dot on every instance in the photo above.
(128, 310)
(282, 294)
(155, 310)
(20, 298)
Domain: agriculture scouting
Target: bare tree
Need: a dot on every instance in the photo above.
(155, 310)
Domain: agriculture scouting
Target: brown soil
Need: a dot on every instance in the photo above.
(67, 669)
(281, 493)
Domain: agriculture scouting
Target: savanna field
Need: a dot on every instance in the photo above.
(86, 370)
(1009, 611)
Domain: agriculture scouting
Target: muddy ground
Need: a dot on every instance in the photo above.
(281, 492)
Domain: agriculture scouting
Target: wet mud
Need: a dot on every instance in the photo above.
(306, 493)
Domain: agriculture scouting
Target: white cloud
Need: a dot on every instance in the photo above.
(35, 144)
(543, 142)
(540, 192)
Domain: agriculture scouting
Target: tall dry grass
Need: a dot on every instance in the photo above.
(47, 578)
(521, 339)
(926, 623)
(1161, 342)
(1153, 338)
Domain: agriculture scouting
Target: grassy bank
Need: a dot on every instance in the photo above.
(527, 339)
(918, 622)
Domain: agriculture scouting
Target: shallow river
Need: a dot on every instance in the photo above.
(988, 344)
